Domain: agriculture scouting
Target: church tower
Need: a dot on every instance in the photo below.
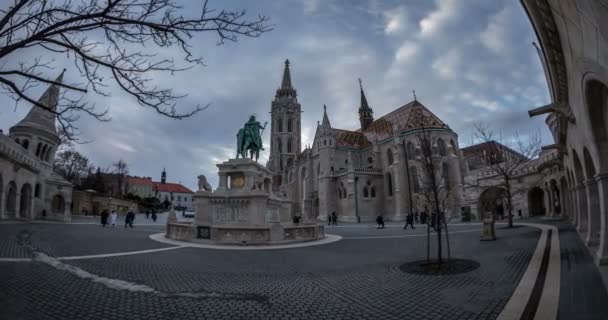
(366, 114)
(285, 126)
(37, 132)
(163, 176)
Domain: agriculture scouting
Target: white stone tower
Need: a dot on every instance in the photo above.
(37, 132)
(285, 126)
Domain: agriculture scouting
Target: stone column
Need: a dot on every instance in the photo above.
(602, 251)
(2, 202)
(574, 206)
(324, 205)
(562, 202)
(400, 184)
(223, 182)
(548, 204)
(18, 204)
(581, 195)
(593, 221)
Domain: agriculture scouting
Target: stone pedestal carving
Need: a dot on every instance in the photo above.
(243, 210)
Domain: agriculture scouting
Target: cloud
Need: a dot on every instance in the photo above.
(435, 21)
(496, 36)
(406, 51)
(396, 20)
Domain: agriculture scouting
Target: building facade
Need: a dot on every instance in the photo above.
(359, 174)
(164, 191)
(29, 188)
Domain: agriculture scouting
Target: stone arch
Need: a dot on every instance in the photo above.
(25, 143)
(58, 204)
(536, 202)
(491, 202)
(25, 201)
(11, 200)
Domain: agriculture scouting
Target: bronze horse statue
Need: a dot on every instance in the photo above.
(249, 139)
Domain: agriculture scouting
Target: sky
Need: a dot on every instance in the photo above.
(467, 60)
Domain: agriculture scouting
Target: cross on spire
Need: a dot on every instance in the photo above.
(414, 93)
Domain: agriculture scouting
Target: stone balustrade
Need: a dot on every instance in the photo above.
(16, 152)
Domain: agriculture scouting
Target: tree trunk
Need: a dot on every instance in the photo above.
(510, 212)
(447, 238)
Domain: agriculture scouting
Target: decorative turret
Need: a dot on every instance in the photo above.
(365, 112)
(37, 132)
(325, 124)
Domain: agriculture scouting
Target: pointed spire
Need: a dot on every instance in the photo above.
(364, 104)
(326, 123)
(42, 118)
(366, 116)
(286, 83)
(286, 88)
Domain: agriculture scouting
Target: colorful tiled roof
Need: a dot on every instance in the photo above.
(171, 187)
(350, 139)
(140, 181)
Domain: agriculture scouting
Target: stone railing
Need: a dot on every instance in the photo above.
(14, 151)
(368, 170)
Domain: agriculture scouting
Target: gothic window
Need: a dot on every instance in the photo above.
(279, 145)
(442, 148)
(324, 142)
(332, 171)
(389, 184)
(25, 143)
(365, 192)
(415, 181)
(48, 154)
(38, 149)
(37, 191)
(280, 125)
(444, 174)
(372, 192)
(289, 145)
(389, 156)
(370, 160)
(43, 152)
(289, 125)
(411, 151)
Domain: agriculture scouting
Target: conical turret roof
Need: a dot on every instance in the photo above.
(41, 118)
(325, 123)
(286, 88)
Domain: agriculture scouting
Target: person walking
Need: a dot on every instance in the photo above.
(334, 218)
(104, 218)
(147, 214)
(380, 221)
(113, 217)
(329, 219)
(129, 219)
(409, 221)
(154, 216)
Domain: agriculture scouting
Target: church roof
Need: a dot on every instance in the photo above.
(41, 118)
(350, 139)
(286, 88)
(411, 116)
(325, 123)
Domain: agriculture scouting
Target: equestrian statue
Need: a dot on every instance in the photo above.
(249, 139)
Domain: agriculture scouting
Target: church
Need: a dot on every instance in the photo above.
(29, 188)
(359, 174)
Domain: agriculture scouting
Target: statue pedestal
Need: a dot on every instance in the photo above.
(243, 210)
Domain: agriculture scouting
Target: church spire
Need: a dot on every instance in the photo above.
(42, 118)
(365, 112)
(325, 123)
(286, 88)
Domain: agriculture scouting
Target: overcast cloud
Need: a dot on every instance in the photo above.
(468, 60)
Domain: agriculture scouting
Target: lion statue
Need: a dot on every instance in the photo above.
(203, 185)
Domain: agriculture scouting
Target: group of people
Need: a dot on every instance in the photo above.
(332, 219)
(153, 215)
(112, 216)
(411, 219)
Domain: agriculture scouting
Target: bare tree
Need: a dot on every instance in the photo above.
(121, 170)
(73, 166)
(116, 39)
(434, 191)
(506, 158)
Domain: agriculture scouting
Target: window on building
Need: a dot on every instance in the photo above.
(290, 145)
(415, 179)
(389, 156)
(280, 125)
(411, 151)
(279, 145)
(389, 184)
(445, 174)
(365, 192)
(372, 192)
(37, 191)
(289, 125)
(25, 143)
(442, 147)
(38, 149)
